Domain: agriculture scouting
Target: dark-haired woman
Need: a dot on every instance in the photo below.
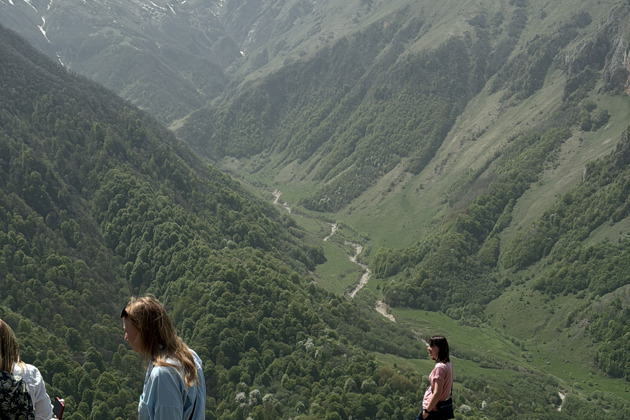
(437, 402)
(174, 386)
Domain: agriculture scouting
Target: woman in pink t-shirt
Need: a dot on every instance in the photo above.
(437, 402)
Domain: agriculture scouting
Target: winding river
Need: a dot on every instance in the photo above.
(380, 306)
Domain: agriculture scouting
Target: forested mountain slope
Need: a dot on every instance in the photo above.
(99, 202)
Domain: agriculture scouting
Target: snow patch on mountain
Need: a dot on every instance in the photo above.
(41, 29)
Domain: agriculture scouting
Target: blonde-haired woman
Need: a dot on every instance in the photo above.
(26, 378)
(174, 386)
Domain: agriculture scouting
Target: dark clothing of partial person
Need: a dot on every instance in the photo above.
(15, 401)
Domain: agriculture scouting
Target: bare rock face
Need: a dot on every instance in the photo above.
(617, 69)
(616, 72)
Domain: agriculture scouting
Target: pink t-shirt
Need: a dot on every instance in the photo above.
(442, 371)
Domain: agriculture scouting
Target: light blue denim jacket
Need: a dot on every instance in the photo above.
(166, 397)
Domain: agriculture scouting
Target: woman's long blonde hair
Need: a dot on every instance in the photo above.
(158, 336)
(9, 350)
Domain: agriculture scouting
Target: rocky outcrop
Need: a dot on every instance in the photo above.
(616, 72)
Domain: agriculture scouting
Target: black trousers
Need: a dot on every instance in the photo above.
(444, 411)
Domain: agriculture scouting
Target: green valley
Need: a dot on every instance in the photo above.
(471, 158)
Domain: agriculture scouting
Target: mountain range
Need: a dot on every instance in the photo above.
(475, 152)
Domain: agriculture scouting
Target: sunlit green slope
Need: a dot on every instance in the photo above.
(479, 155)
